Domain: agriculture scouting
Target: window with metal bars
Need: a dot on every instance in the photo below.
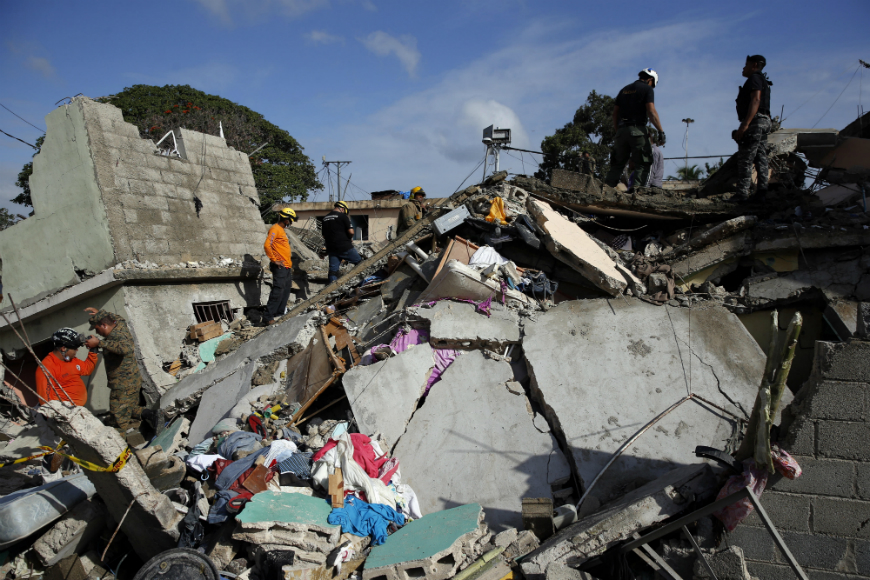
(216, 311)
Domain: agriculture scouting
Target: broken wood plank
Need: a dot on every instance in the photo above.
(336, 488)
(194, 327)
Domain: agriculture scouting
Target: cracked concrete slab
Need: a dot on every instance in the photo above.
(460, 325)
(384, 395)
(473, 440)
(602, 369)
(219, 400)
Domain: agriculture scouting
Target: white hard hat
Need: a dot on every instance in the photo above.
(653, 74)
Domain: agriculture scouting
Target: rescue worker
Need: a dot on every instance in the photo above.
(66, 368)
(412, 211)
(277, 248)
(753, 112)
(338, 233)
(587, 164)
(122, 371)
(634, 104)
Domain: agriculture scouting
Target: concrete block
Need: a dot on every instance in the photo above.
(862, 557)
(844, 361)
(560, 571)
(459, 325)
(71, 534)
(570, 244)
(628, 361)
(787, 511)
(801, 437)
(151, 524)
(727, 564)
(821, 477)
(431, 547)
(291, 519)
(839, 401)
(841, 517)
(816, 550)
(843, 440)
(863, 480)
(457, 428)
(862, 323)
(163, 470)
(384, 395)
(643, 507)
(70, 568)
(218, 401)
(842, 315)
(770, 571)
(756, 543)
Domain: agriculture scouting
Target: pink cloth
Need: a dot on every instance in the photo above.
(444, 357)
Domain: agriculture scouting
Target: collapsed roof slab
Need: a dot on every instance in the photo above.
(602, 369)
(461, 325)
(474, 440)
(609, 201)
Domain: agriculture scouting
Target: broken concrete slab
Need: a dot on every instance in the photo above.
(561, 571)
(171, 437)
(628, 361)
(456, 429)
(152, 522)
(458, 325)
(217, 402)
(71, 534)
(458, 281)
(277, 342)
(652, 503)
(862, 329)
(842, 315)
(291, 519)
(388, 405)
(163, 471)
(727, 564)
(431, 547)
(570, 244)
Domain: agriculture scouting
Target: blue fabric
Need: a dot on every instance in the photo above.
(234, 470)
(363, 519)
(218, 512)
(405, 194)
(299, 464)
(350, 255)
(240, 440)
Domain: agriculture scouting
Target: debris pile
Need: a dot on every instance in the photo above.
(539, 380)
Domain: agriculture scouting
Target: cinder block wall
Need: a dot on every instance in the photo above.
(823, 516)
(149, 198)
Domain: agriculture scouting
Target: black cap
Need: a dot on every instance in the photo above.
(757, 59)
(67, 337)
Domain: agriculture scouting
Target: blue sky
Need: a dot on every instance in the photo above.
(404, 89)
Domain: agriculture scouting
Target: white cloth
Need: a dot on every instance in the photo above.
(279, 450)
(411, 500)
(485, 256)
(201, 462)
(355, 477)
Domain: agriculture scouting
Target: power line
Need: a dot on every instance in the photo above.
(17, 139)
(838, 98)
(816, 94)
(22, 118)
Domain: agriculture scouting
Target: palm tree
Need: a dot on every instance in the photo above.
(692, 173)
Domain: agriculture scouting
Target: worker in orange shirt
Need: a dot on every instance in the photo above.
(277, 247)
(66, 368)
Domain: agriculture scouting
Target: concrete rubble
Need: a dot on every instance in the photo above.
(515, 396)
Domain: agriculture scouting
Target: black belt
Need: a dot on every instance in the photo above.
(641, 125)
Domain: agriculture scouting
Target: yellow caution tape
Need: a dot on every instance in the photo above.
(115, 467)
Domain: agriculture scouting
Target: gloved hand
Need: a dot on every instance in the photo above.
(662, 139)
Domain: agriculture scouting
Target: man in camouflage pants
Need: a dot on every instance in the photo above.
(122, 370)
(753, 111)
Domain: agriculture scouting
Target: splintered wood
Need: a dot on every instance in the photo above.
(336, 488)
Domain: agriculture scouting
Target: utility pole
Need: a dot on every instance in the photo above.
(338, 165)
(687, 121)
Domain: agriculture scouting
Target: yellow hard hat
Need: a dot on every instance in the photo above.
(287, 213)
(416, 189)
(341, 204)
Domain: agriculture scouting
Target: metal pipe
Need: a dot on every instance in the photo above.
(417, 250)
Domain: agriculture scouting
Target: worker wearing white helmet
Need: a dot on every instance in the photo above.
(634, 104)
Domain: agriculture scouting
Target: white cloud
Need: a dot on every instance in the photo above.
(323, 37)
(369, 5)
(404, 48)
(253, 10)
(41, 65)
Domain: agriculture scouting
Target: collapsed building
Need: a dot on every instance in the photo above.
(549, 379)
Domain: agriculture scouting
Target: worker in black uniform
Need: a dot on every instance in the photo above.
(338, 234)
(634, 104)
(753, 112)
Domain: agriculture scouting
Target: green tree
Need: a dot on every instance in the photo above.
(23, 180)
(711, 169)
(591, 130)
(691, 173)
(8, 219)
(282, 171)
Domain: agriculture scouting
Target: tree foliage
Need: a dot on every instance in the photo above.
(23, 180)
(711, 169)
(591, 130)
(8, 219)
(690, 173)
(282, 171)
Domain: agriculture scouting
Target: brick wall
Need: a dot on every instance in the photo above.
(823, 516)
(149, 198)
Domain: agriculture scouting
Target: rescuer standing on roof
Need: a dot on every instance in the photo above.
(635, 103)
(66, 368)
(122, 371)
(277, 248)
(338, 234)
(412, 211)
(753, 111)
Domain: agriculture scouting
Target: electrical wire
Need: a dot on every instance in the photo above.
(838, 98)
(816, 94)
(22, 118)
(17, 139)
(470, 174)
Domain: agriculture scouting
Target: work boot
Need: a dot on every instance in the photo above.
(156, 418)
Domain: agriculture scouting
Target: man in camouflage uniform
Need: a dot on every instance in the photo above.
(753, 111)
(587, 164)
(122, 370)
